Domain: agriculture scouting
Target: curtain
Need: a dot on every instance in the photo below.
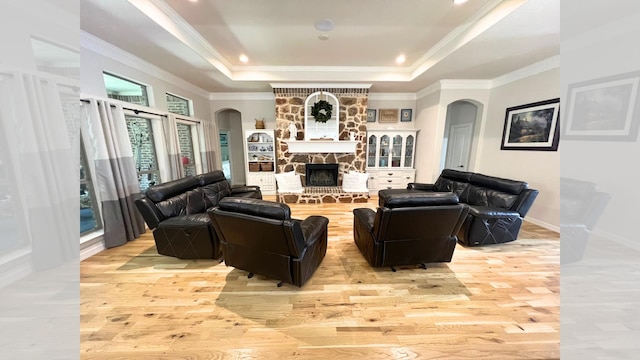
(208, 153)
(115, 172)
(170, 132)
(39, 168)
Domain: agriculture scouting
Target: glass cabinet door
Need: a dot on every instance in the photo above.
(384, 151)
(371, 151)
(408, 152)
(396, 151)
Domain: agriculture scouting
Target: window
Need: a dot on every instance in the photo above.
(186, 133)
(125, 90)
(89, 215)
(178, 105)
(144, 151)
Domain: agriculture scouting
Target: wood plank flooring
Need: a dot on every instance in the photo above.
(498, 302)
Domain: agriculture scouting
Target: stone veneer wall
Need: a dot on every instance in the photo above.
(352, 117)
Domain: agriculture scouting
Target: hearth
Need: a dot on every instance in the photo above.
(321, 174)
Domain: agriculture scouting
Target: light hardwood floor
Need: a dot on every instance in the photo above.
(497, 302)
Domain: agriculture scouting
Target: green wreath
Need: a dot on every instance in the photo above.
(321, 111)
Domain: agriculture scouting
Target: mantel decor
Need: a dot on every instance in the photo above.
(321, 111)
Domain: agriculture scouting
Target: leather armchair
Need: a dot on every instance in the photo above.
(409, 228)
(497, 206)
(260, 237)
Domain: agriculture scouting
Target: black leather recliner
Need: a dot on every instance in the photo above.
(497, 206)
(409, 228)
(176, 211)
(260, 237)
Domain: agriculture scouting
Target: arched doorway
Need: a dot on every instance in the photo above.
(458, 142)
(231, 148)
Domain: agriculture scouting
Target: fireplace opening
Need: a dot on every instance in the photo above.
(321, 174)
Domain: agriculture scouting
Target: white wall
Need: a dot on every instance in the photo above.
(392, 101)
(541, 169)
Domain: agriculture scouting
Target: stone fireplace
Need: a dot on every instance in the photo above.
(352, 118)
(321, 174)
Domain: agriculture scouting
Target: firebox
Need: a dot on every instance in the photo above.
(321, 174)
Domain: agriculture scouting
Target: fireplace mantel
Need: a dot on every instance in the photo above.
(322, 146)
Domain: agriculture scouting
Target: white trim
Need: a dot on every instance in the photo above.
(392, 96)
(543, 224)
(319, 85)
(533, 69)
(320, 146)
(114, 53)
(241, 96)
(15, 266)
(428, 90)
(91, 247)
(616, 238)
(464, 84)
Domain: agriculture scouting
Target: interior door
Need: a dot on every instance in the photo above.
(459, 146)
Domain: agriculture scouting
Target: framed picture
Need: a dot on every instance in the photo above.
(405, 115)
(604, 109)
(532, 126)
(371, 115)
(388, 116)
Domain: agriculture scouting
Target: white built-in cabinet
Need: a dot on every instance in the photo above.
(390, 159)
(260, 159)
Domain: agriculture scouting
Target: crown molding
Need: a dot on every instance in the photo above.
(167, 18)
(533, 69)
(433, 88)
(319, 85)
(392, 96)
(464, 84)
(114, 53)
(242, 96)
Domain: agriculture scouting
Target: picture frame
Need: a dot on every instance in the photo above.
(405, 115)
(603, 109)
(388, 116)
(532, 126)
(371, 115)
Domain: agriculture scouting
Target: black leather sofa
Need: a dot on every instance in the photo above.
(176, 211)
(497, 206)
(409, 228)
(581, 206)
(260, 237)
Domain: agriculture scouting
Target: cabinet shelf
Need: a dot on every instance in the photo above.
(260, 170)
(390, 159)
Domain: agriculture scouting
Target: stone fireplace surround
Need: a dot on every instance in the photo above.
(352, 118)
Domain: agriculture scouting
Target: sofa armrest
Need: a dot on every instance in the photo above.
(524, 201)
(246, 191)
(420, 186)
(150, 213)
(365, 217)
(313, 227)
(487, 212)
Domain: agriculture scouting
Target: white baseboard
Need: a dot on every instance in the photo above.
(15, 269)
(92, 247)
(543, 224)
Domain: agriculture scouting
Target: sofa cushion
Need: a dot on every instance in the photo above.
(482, 196)
(393, 200)
(505, 185)
(187, 221)
(211, 177)
(489, 212)
(173, 206)
(167, 190)
(215, 192)
(196, 201)
(256, 207)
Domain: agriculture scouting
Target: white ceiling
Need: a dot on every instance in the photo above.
(201, 41)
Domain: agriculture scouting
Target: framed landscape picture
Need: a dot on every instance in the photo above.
(388, 116)
(604, 109)
(532, 126)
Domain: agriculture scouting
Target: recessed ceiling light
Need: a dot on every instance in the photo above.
(193, 0)
(459, 2)
(325, 25)
(400, 59)
(323, 37)
(244, 59)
